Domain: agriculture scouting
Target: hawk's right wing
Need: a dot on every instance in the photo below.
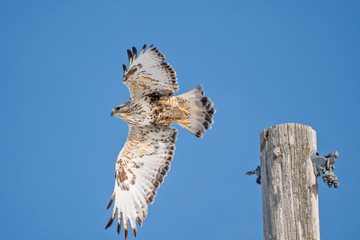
(149, 74)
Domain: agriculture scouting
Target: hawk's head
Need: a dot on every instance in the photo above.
(121, 111)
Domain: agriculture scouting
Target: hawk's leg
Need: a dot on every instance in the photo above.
(176, 103)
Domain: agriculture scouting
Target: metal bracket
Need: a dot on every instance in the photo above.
(256, 172)
(324, 165)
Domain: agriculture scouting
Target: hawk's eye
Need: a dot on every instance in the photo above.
(117, 108)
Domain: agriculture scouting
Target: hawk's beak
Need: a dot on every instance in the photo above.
(112, 113)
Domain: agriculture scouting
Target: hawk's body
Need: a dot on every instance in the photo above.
(145, 159)
(155, 110)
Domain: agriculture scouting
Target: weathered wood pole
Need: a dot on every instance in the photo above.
(289, 184)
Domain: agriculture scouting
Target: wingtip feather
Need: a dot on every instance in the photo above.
(135, 232)
(110, 222)
(134, 52)
(129, 55)
(118, 228)
(126, 233)
(143, 48)
(119, 223)
(111, 219)
(139, 221)
(111, 200)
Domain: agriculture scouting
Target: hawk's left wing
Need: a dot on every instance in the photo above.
(149, 74)
(141, 167)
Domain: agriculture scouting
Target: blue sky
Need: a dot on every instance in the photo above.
(262, 62)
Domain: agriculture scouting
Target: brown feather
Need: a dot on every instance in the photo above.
(135, 232)
(134, 52)
(119, 223)
(111, 200)
(111, 220)
(125, 233)
(129, 55)
(139, 221)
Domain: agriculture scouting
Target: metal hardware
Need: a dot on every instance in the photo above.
(324, 165)
(256, 172)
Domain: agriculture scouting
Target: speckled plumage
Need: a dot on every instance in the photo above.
(146, 156)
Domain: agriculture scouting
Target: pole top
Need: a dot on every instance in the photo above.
(264, 135)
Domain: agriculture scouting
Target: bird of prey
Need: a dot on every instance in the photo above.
(145, 158)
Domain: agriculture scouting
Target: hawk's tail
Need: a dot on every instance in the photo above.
(200, 111)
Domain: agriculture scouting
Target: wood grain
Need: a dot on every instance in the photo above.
(289, 185)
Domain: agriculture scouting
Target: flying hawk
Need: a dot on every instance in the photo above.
(145, 158)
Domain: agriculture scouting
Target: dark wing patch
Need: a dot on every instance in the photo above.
(149, 74)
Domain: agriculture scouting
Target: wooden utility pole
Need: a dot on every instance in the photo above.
(289, 183)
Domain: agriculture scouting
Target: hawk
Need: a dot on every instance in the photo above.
(146, 156)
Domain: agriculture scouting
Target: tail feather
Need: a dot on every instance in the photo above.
(201, 111)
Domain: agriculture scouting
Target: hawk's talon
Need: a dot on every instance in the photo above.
(185, 110)
(186, 123)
